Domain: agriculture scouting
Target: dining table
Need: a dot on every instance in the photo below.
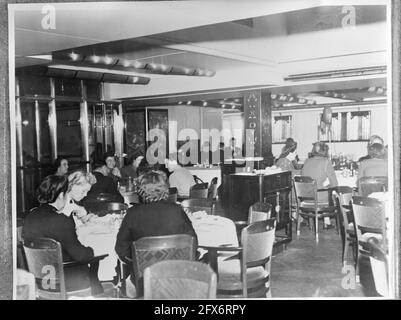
(213, 231)
(100, 233)
(344, 178)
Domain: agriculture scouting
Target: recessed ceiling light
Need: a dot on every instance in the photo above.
(95, 59)
(126, 63)
(108, 60)
(74, 56)
(189, 102)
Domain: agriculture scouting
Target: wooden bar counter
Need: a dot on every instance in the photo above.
(247, 188)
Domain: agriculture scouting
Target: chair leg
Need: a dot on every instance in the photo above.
(316, 227)
(345, 252)
(337, 224)
(298, 223)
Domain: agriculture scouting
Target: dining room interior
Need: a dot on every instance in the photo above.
(279, 112)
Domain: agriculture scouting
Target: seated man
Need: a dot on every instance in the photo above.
(180, 178)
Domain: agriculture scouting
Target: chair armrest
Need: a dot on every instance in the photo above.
(212, 254)
(375, 248)
(241, 223)
(227, 248)
(81, 263)
(329, 189)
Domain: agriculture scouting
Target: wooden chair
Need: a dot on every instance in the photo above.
(342, 196)
(370, 221)
(172, 195)
(368, 185)
(212, 192)
(306, 193)
(193, 205)
(179, 279)
(149, 250)
(199, 191)
(45, 261)
(259, 211)
(379, 264)
(245, 271)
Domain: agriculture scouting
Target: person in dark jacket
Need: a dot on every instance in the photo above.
(155, 216)
(47, 221)
(104, 185)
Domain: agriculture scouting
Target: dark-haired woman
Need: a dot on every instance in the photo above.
(131, 170)
(155, 216)
(61, 166)
(48, 221)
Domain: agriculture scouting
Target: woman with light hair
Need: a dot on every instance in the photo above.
(79, 184)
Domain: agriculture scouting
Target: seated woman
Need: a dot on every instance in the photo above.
(376, 165)
(48, 221)
(372, 140)
(79, 184)
(287, 159)
(104, 185)
(155, 216)
(60, 167)
(318, 166)
(131, 170)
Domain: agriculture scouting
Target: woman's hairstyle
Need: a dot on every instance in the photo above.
(375, 139)
(50, 188)
(377, 150)
(290, 146)
(79, 178)
(109, 154)
(57, 163)
(153, 187)
(319, 149)
(135, 156)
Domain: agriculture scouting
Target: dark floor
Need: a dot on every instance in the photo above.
(310, 269)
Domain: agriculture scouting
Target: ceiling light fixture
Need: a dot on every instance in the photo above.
(74, 56)
(337, 73)
(95, 59)
(108, 60)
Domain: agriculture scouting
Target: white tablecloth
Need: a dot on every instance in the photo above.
(214, 230)
(100, 234)
(345, 180)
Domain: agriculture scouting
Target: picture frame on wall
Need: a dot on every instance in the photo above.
(157, 119)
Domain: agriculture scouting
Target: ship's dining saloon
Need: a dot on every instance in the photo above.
(202, 150)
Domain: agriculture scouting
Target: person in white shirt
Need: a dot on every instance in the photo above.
(180, 178)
